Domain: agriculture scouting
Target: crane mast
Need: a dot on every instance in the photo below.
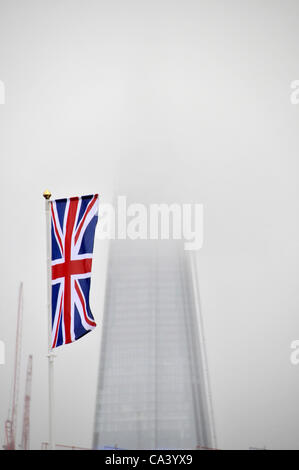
(11, 422)
(26, 417)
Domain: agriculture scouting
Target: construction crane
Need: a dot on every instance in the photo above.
(11, 422)
(26, 417)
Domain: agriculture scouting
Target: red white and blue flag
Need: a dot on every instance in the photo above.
(73, 224)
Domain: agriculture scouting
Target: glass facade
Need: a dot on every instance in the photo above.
(152, 388)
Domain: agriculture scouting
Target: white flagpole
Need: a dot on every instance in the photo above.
(47, 196)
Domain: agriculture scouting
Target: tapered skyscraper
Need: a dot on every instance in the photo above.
(153, 388)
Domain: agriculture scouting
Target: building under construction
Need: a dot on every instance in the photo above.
(153, 389)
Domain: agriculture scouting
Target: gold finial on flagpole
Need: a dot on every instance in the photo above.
(47, 194)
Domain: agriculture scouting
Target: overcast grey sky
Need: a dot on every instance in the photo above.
(185, 101)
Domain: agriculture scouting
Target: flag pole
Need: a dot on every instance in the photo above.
(47, 196)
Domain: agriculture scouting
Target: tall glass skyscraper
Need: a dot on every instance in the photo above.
(153, 388)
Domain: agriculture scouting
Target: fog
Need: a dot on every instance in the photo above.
(164, 101)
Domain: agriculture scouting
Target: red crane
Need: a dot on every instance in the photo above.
(11, 422)
(26, 417)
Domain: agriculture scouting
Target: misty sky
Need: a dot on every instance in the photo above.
(168, 101)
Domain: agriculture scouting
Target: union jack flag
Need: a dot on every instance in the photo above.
(73, 224)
